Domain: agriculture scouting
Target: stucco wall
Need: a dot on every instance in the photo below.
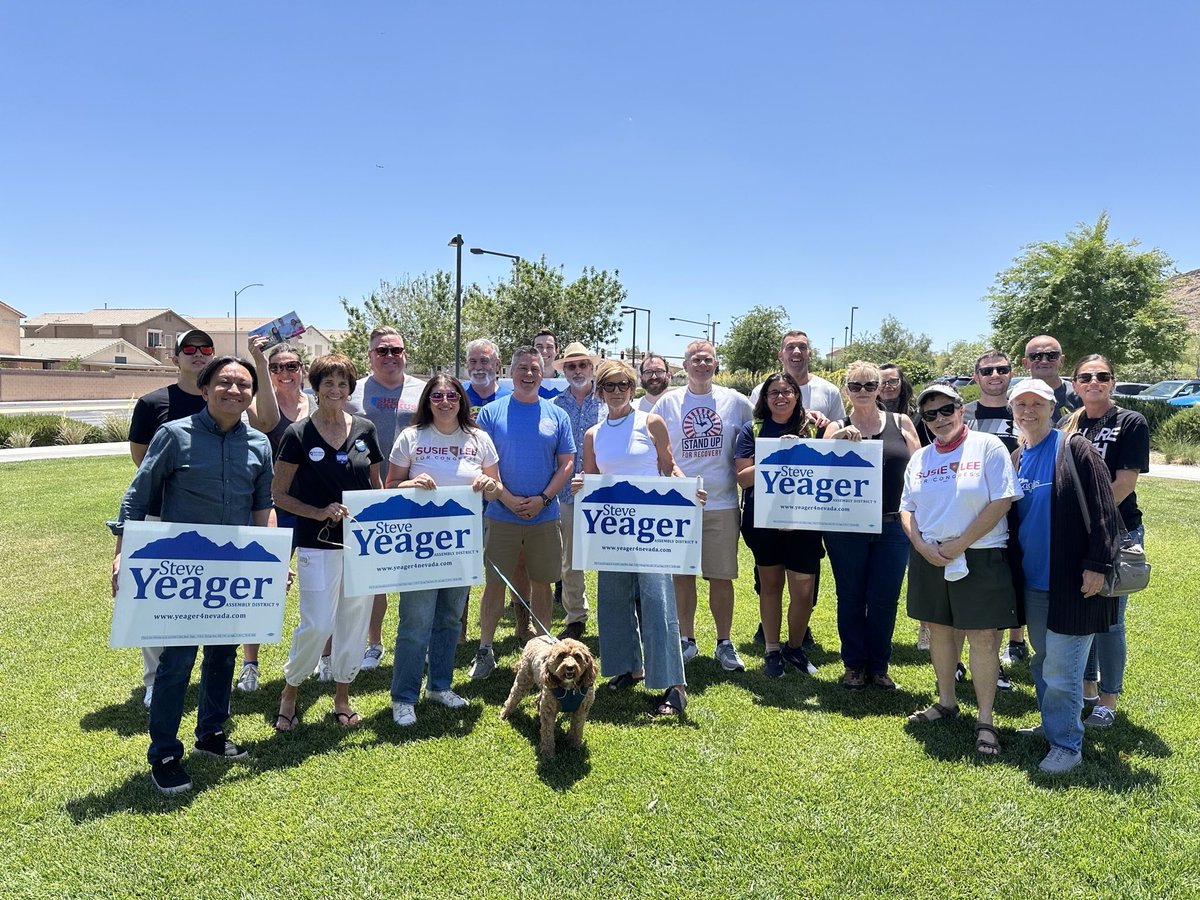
(41, 384)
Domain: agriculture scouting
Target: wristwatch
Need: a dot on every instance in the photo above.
(545, 500)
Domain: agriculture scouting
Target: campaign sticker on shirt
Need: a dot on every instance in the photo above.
(360, 445)
(316, 454)
(343, 457)
(547, 426)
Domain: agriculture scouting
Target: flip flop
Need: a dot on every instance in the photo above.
(346, 720)
(986, 747)
(292, 722)
(943, 713)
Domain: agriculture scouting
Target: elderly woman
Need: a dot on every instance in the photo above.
(635, 611)
(957, 492)
(779, 554)
(869, 568)
(320, 457)
(1122, 438)
(1063, 564)
(440, 448)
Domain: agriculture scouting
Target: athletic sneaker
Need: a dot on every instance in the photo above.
(325, 669)
(484, 665)
(1003, 682)
(773, 664)
(960, 672)
(726, 654)
(372, 657)
(798, 658)
(446, 698)
(1100, 717)
(1014, 652)
(404, 714)
(149, 696)
(170, 777)
(689, 648)
(219, 745)
(247, 681)
(1059, 760)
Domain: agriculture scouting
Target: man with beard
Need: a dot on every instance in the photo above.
(1044, 358)
(483, 368)
(655, 378)
(582, 407)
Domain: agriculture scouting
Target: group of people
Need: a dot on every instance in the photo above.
(989, 540)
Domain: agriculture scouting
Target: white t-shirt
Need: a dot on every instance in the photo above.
(946, 491)
(452, 459)
(647, 402)
(704, 430)
(818, 394)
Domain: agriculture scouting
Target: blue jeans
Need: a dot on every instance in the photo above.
(1106, 662)
(868, 570)
(1057, 667)
(430, 621)
(170, 685)
(622, 638)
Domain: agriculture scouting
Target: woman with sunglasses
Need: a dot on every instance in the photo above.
(1122, 438)
(957, 492)
(635, 611)
(780, 555)
(442, 447)
(895, 390)
(869, 568)
(319, 458)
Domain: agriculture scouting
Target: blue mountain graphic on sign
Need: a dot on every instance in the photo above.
(804, 455)
(193, 545)
(401, 507)
(624, 492)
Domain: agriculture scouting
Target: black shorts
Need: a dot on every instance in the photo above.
(796, 551)
(984, 599)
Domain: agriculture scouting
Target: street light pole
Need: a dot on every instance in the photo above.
(635, 310)
(457, 243)
(710, 325)
(852, 309)
(235, 314)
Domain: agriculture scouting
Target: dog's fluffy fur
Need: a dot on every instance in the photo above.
(550, 664)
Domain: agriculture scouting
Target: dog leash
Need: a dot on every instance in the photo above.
(517, 594)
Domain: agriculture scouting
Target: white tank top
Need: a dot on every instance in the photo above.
(625, 448)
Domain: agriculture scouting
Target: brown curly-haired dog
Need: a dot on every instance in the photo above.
(566, 672)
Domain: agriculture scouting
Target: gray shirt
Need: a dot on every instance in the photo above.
(390, 409)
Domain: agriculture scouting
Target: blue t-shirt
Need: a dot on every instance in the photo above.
(528, 437)
(478, 403)
(1036, 477)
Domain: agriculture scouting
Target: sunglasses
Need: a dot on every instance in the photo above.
(610, 387)
(1086, 377)
(928, 415)
(193, 349)
(782, 392)
(1051, 355)
(891, 382)
(388, 351)
(573, 366)
(985, 371)
(276, 368)
(441, 396)
(855, 386)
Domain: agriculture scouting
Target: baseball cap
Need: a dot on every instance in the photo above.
(945, 390)
(192, 334)
(1031, 386)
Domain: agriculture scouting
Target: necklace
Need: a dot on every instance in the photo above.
(617, 423)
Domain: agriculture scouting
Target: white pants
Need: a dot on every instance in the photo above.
(150, 655)
(574, 599)
(325, 611)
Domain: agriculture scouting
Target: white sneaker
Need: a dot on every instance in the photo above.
(484, 664)
(726, 654)
(372, 657)
(247, 681)
(325, 669)
(149, 696)
(1059, 760)
(446, 698)
(404, 714)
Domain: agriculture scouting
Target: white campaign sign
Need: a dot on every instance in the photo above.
(643, 524)
(412, 538)
(182, 584)
(823, 485)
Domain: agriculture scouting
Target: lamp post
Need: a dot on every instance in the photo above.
(635, 310)
(852, 309)
(457, 243)
(235, 315)
(479, 251)
(710, 325)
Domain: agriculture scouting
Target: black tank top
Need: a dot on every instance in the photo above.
(275, 435)
(895, 459)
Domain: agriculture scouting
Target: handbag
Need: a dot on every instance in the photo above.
(1130, 570)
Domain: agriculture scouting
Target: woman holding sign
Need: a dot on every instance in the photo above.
(779, 554)
(869, 568)
(440, 448)
(635, 611)
(320, 457)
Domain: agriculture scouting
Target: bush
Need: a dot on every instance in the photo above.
(1156, 413)
(741, 381)
(73, 431)
(1179, 452)
(1183, 427)
(114, 427)
(43, 429)
(17, 439)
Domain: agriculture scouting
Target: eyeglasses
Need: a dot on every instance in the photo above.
(610, 387)
(388, 351)
(985, 371)
(891, 382)
(782, 392)
(193, 349)
(855, 386)
(574, 366)
(928, 415)
(276, 368)
(1086, 377)
(702, 360)
(1051, 355)
(444, 396)
(658, 372)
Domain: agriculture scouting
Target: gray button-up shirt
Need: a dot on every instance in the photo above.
(583, 416)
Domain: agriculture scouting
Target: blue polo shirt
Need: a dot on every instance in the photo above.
(528, 437)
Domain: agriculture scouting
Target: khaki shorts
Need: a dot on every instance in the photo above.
(719, 546)
(504, 541)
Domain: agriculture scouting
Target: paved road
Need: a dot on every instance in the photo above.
(90, 411)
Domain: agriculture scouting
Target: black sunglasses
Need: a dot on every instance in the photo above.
(985, 371)
(1045, 354)
(276, 368)
(388, 351)
(1086, 377)
(855, 386)
(928, 415)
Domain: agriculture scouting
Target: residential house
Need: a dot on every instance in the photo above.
(151, 331)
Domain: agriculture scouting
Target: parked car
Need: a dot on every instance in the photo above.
(961, 381)
(1129, 388)
(1185, 400)
(1169, 391)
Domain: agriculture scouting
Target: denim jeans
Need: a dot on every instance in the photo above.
(430, 621)
(1106, 662)
(1057, 668)
(868, 570)
(622, 638)
(170, 685)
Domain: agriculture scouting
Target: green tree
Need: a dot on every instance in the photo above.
(892, 343)
(753, 339)
(1094, 295)
(959, 358)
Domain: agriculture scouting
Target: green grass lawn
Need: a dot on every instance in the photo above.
(781, 788)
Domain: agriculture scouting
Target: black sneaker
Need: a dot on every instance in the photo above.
(1014, 652)
(170, 777)
(960, 672)
(773, 664)
(1003, 682)
(798, 658)
(220, 746)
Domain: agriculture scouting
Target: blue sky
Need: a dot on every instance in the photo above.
(890, 156)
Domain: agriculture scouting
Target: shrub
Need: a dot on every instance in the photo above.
(18, 438)
(1156, 413)
(43, 428)
(1179, 452)
(1183, 427)
(72, 431)
(114, 427)
(741, 381)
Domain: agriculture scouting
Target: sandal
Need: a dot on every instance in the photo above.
(672, 703)
(345, 719)
(624, 682)
(289, 722)
(943, 713)
(987, 739)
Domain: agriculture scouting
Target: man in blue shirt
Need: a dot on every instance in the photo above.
(483, 369)
(537, 458)
(210, 469)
